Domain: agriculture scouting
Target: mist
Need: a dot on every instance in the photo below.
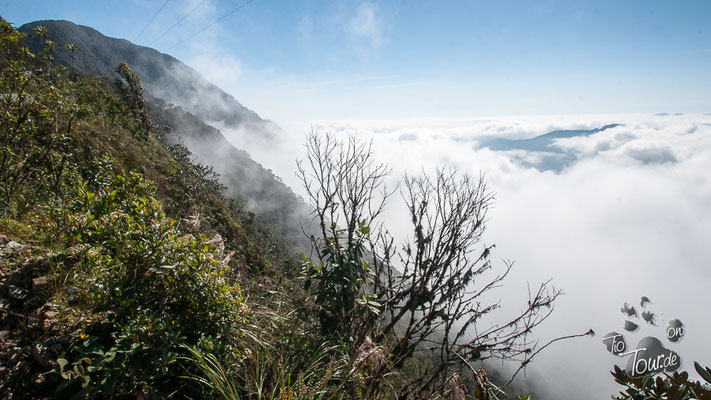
(629, 216)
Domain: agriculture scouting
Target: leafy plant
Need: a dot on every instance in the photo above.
(676, 386)
(155, 288)
(36, 122)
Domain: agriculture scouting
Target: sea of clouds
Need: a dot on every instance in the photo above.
(628, 215)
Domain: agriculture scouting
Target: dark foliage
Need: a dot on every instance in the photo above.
(677, 386)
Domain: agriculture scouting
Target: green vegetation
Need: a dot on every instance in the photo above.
(121, 260)
(36, 124)
(153, 288)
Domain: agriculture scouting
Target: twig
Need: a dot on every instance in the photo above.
(528, 360)
(14, 314)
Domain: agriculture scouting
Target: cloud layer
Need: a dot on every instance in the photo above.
(630, 215)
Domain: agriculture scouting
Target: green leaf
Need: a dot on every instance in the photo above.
(705, 373)
(62, 363)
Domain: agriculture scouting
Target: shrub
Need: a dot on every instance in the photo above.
(35, 124)
(151, 288)
(677, 386)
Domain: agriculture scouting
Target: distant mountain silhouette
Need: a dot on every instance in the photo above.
(542, 143)
(161, 75)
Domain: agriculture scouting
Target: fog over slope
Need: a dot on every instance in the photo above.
(193, 108)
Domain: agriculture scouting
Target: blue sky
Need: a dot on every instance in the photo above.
(356, 59)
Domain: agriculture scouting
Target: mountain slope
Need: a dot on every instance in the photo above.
(162, 75)
(245, 179)
(118, 254)
(181, 99)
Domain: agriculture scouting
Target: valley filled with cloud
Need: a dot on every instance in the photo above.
(625, 216)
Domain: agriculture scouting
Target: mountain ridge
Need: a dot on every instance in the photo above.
(542, 143)
(162, 75)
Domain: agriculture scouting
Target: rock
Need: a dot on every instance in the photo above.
(39, 284)
(12, 246)
(16, 292)
(73, 295)
(76, 250)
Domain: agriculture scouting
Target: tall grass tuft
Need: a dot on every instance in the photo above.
(214, 375)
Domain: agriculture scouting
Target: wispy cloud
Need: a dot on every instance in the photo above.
(341, 81)
(366, 24)
(306, 29)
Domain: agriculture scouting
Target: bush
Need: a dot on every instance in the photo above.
(677, 386)
(35, 124)
(152, 289)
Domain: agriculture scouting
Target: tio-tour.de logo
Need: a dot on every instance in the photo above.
(649, 357)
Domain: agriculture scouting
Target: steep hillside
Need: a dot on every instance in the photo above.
(121, 262)
(183, 100)
(245, 180)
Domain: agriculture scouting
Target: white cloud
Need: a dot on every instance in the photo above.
(366, 24)
(622, 221)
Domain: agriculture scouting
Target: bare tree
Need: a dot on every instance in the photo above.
(427, 294)
(346, 188)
